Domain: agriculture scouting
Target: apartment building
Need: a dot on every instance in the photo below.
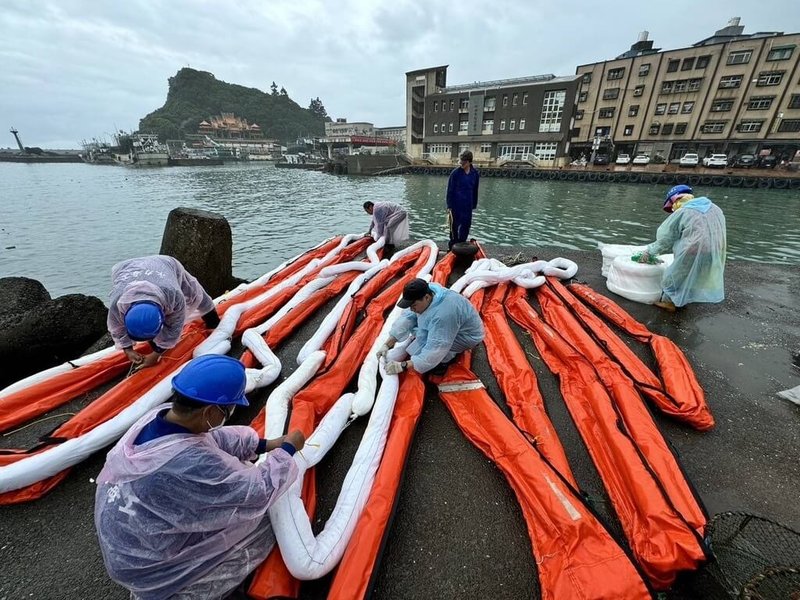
(732, 92)
(505, 119)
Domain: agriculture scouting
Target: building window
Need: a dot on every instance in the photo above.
(654, 128)
(451, 128)
(521, 124)
(760, 102)
(524, 98)
(702, 63)
(515, 99)
(486, 148)
(633, 110)
(511, 150)
(674, 108)
(661, 109)
(667, 129)
(488, 125)
(638, 90)
(606, 113)
(687, 108)
(439, 148)
(463, 104)
(730, 81)
(436, 106)
(579, 115)
(782, 53)
(644, 70)
(713, 127)
(512, 125)
(452, 104)
(583, 96)
(794, 101)
(694, 84)
(505, 99)
(435, 128)
(463, 125)
(628, 131)
(666, 87)
(721, 106)
(462, 148)
(488, 104)
(602, 131)
(673, 65)
(680, 128)
(552, 111)
(616, 74)
(739, 57)
(767, 78)
(546, 150)
(750, 126)
(575, 133)
(503, 125)
(688, 65)
(587, 78)
(789, 126)
(611, 94)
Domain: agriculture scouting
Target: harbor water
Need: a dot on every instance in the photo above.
(67, 224)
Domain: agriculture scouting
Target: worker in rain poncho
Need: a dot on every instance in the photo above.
(389, 220)
(179, 510)
(150, 300)
(695, 233)
(441, 324)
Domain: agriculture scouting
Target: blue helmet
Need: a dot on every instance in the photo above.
(144, 320)
(212, 379)
(674, 191)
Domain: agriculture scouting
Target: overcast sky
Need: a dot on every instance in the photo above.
(72, 69)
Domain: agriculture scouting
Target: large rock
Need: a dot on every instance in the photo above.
(17, 296)
(202, 241)
(49, 334)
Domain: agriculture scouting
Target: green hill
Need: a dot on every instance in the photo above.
(196, 95)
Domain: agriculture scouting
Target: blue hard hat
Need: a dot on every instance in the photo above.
(144, 320)
(212, 379)
(678, 189)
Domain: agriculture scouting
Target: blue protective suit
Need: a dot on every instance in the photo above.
(462, 199)
(159, 279)
(695, 234)
(184, 515)
(450, 325)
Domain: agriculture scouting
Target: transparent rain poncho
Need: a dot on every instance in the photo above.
(390, 220)
(448, 326)
(695, 234)
(185, 513)
(159, 279)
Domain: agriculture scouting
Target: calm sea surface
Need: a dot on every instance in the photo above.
(65, 225)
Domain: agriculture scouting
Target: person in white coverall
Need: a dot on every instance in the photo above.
(150, 300)
(180, 511)
(389, 220)
(440, 324)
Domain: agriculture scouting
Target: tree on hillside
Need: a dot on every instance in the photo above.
(317, 108)
(284, 93)
(273, 89)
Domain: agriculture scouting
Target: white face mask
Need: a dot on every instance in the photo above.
(215, 427)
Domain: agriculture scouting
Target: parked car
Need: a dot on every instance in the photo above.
(623, 159)
(744, 160)
(769, 161)
(689, 160)
(601, 159)
(719, 161)
(642, 159)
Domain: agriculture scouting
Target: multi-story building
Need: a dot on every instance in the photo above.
(509, 118)
(342, 137)
(731, 93)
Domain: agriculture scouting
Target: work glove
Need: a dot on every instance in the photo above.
(394, 368)
(381, 353)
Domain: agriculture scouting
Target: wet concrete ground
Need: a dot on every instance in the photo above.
(457, 531)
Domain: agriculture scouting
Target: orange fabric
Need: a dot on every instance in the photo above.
(661, 540)
(575, 555)
(518, 382)
(360, 560)
(684, 395)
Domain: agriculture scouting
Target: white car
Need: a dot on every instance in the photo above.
(642, 159)
(716, 160)
(689, 160)
(623, 159)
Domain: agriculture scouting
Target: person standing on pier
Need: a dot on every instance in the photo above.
(695, 233)
(150, 300)
(462, 198)
(389, 220)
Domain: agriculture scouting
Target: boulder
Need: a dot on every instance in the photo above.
(17, 296)
(49, 334)
(203, 242)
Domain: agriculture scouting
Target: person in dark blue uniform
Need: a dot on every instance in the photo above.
(462, 198)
